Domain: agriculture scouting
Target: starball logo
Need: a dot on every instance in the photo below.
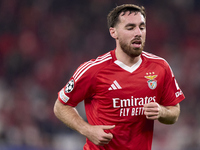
(132, 106)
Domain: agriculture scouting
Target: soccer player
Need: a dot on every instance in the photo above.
(124, 90)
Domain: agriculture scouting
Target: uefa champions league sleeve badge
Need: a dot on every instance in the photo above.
(70, 86)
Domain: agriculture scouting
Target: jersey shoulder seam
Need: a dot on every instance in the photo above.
(162, 61)
(89, 65)
(150, 56)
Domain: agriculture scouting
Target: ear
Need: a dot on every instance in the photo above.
(113, 32)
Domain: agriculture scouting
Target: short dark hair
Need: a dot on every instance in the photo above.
(113, 16)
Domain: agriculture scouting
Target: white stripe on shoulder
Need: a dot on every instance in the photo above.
(86, 64)
(151, 56)
(82, 69)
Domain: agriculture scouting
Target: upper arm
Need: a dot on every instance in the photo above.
(57, 107)
(60, 107)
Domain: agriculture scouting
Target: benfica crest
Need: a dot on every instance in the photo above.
(152, 83)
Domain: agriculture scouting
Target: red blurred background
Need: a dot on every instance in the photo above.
(42, 42)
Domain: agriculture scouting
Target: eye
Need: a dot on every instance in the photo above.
(129, 28)
(142, 27)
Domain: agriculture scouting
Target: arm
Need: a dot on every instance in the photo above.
(69, 116)
(164, 114)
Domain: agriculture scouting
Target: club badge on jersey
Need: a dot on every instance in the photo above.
(152, 83)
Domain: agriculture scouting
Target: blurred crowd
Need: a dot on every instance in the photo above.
(42, 42)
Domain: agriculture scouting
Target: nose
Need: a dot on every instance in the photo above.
(138, 31)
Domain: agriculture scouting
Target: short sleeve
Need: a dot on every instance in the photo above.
(78, 88)
(172, 94)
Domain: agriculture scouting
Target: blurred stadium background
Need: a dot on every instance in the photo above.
(42, 42)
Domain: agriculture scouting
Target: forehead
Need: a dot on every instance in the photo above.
(133, 17)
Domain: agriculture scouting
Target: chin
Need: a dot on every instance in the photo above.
(132, 51)
(136, 52)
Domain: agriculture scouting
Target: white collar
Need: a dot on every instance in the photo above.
(127, 68)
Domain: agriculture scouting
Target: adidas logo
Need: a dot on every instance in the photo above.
(115, 86)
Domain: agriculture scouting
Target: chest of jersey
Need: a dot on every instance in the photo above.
(120, 93)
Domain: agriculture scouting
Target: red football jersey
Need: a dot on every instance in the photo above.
(114, 94)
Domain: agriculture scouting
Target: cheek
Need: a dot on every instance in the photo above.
(144, 37)
(144, 34)
(125, 36)
(124, 39)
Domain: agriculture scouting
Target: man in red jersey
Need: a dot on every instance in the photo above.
(124, 90)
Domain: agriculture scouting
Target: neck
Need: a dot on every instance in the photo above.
(126, 59)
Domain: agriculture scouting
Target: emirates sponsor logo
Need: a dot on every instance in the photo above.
(132, 106)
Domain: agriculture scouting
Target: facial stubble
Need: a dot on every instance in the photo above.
(131, 51)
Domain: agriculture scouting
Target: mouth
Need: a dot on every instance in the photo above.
(137, 43)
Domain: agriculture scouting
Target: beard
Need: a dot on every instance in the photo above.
(130, 50)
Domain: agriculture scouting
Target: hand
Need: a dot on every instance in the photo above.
(98, 136)
(152, 110)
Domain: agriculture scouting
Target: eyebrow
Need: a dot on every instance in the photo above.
(132, 24)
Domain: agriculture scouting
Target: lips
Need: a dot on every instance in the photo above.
(137, 43)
